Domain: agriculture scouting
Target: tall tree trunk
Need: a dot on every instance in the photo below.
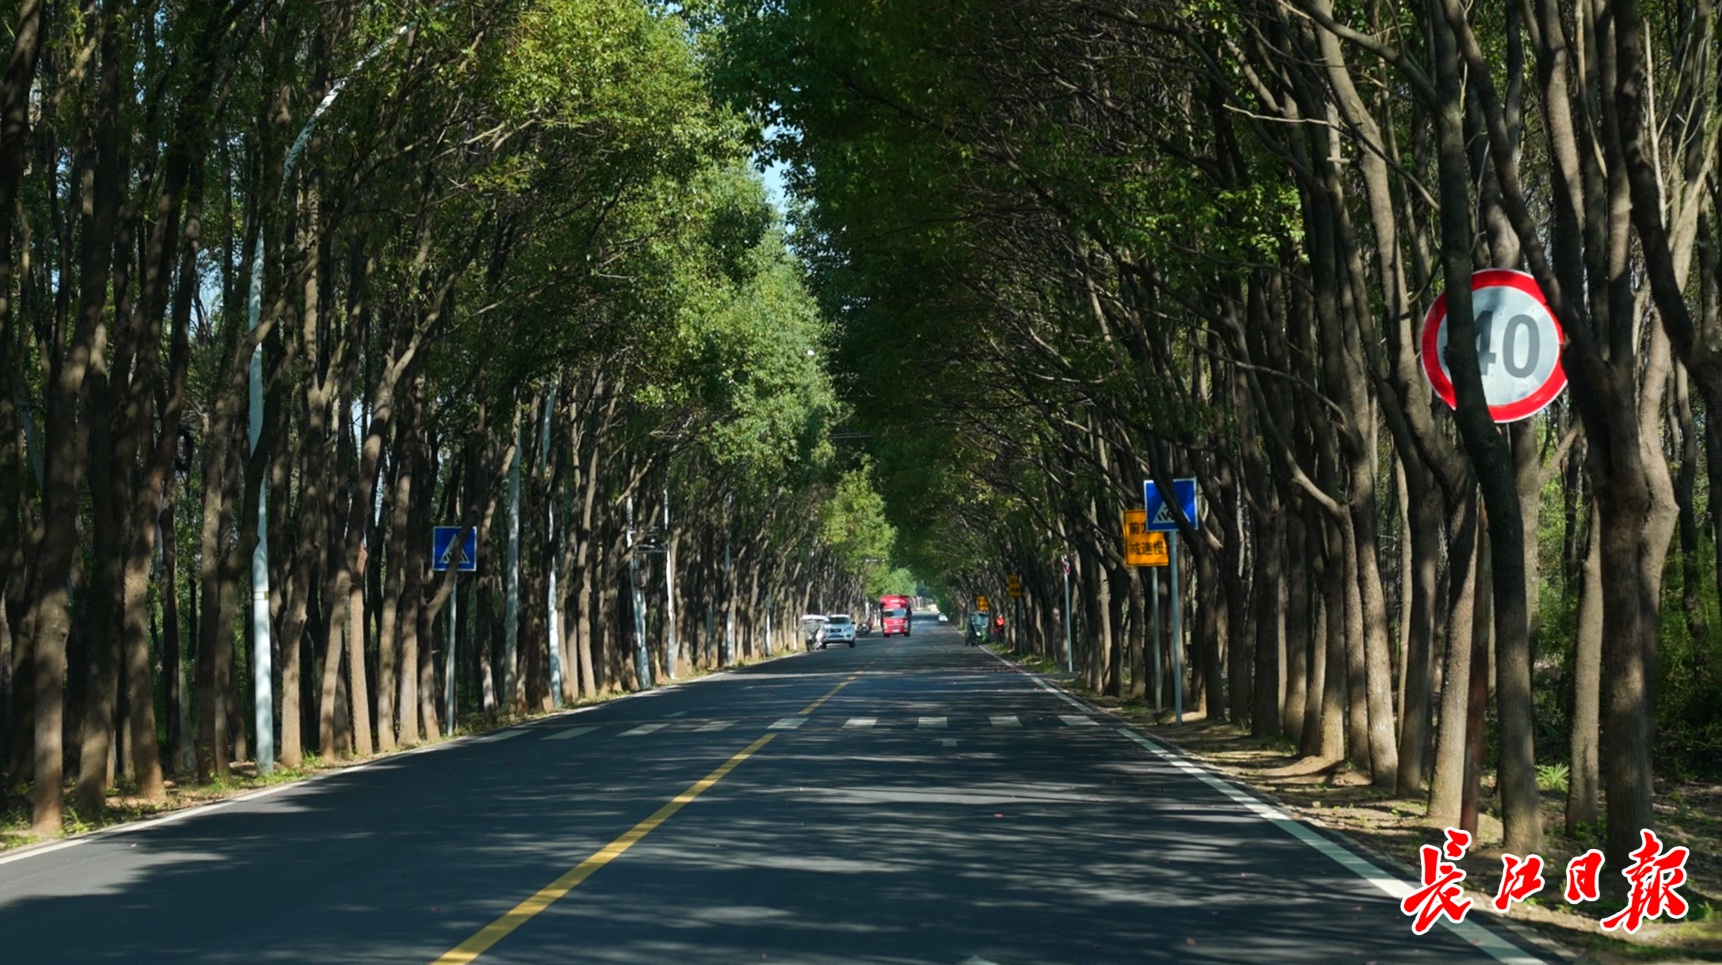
(170, 631)
(356, 682)
(1423, 512)
(389, 636)
(1270, 592)
(63, 458)
(1582, 773)
(1297, 624)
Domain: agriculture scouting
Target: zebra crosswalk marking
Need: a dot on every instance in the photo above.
(563, 735)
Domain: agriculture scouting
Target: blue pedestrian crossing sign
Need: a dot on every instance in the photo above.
(1160, 518)
(447, 550)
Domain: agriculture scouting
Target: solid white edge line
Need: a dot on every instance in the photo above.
(1394, 887)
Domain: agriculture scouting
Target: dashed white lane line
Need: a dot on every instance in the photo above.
(788, 723)
(931, 723)
(563, 735)
(644, 729)
(856, 723)
(1072, 720)
(1006, 720)
(715, 725)
(500, 735)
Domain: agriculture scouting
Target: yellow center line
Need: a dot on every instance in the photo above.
(522, 913)
(810, 707)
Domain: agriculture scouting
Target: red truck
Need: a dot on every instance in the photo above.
(894, 615)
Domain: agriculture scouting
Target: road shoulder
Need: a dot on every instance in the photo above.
(1248, 763)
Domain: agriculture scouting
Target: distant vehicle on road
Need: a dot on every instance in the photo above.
(813, 629)
(894, 615)
(978, 630)
(839, 628)
(944, 619)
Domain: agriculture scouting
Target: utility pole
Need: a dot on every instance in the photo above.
(511, 604)
(1069, 653)
(550, 594)
(262, 662)
(642, 665)
(669, 593)
(729, 586)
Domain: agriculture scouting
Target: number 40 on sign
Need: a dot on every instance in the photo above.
(1518, 345)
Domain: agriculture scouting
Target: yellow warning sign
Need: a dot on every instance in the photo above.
(1142, 548)
(1013, 585)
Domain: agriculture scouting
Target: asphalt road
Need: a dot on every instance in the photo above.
(908, 800)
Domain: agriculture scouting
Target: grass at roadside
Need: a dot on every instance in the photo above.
(1336, 796)
(124, 807)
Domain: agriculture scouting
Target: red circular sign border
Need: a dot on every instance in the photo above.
(1515, 411)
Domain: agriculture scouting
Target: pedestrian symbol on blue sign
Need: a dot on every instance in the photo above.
(1160, 518)
(445, 549)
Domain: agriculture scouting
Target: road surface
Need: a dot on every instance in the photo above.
(908, 800)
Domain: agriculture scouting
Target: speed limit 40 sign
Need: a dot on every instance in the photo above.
(1518, 345)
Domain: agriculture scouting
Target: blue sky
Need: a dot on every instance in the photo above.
(774, 184)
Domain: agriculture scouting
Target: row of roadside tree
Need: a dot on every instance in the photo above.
(1073, 246)
(284, 285)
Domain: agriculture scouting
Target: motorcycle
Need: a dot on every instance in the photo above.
(976, 633)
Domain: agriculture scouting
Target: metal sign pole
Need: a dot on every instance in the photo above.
(453, 628)
(1177, 633)
(1154, 621)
